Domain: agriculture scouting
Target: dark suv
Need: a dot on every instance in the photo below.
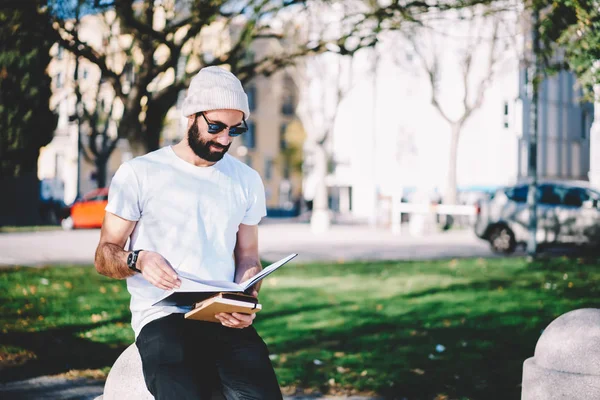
(568, 213)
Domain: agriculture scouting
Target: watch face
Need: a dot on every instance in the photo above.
(129, 258)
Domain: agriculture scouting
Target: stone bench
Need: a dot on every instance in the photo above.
(566, 363)
(126, 379)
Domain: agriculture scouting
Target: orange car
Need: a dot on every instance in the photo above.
(87, 212)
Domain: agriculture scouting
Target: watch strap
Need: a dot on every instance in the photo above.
(132, 260)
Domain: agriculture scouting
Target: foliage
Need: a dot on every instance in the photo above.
(26, 122)
(574, 27)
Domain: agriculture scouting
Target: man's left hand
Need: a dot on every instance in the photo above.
(235, 320)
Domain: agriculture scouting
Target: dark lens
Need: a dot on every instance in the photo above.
(216, 128)
(236, 130)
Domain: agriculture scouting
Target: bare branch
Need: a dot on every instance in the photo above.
(432, 71)
(484, 83)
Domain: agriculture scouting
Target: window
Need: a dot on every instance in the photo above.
(85, 74)
(574, 197)
(181, 63)
(518, 194)
(549, 195)
(287, 108)
(59, 80)
(584, 118)
(268, 168)
(282, 142)
(251, 93)
(505, 115)
(249, 138)
(59, 53)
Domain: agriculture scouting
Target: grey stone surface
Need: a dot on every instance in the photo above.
(125, 379)
(566, 363)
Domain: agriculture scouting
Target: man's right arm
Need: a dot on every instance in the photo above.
(111, 258)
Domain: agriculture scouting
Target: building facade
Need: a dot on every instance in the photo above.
(390, 139)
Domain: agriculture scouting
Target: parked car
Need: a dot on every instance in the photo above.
(568, 213)
(87, 212)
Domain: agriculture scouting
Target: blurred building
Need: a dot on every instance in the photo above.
(272, 146)
(389, 138)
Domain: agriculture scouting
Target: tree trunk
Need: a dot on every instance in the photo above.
(320, 219)
(451, 196)
(101, 171)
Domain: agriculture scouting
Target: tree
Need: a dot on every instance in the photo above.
(571, 30)
(159, 46)
(26, 121)
(479, 32)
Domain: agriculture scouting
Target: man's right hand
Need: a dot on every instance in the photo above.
(156, 270)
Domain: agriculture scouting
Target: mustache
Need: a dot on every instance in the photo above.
(218, 146)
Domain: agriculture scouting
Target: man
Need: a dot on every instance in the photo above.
(191, 208)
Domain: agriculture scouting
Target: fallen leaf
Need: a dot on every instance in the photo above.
(447, 323)
(68, 285)
(364, 373)
(96, 318)
(339, 354)
(102, 289)
(379, 307)
(115, 289)
(417, 371)
(342, 370)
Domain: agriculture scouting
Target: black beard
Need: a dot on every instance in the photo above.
(202, 148)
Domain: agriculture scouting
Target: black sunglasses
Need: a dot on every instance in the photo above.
(216, 127)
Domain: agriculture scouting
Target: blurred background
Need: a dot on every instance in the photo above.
(357, 106)
(383, 129)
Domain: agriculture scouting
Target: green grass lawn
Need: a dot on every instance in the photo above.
(457, 329)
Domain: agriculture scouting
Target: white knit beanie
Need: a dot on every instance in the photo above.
(215, 88)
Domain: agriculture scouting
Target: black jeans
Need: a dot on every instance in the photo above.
(188, 359)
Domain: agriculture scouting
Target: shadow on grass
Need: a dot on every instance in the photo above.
(433, 350)
(59, 350)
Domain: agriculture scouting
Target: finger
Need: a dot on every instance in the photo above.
(245, 318)
(168, 274)
(226, 322)
(156, 279)
(229, 319)
(161, 276)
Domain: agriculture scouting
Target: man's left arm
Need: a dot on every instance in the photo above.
(247, 264)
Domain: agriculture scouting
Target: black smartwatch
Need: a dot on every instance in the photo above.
(132, 260)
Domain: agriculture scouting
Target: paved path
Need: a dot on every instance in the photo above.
(342, 242)
(52, 388)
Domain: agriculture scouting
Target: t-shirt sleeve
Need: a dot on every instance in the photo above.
(256, 208)
(124, 194)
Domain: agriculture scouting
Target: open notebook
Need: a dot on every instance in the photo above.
(193, 290)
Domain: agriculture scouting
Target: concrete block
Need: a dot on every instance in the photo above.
(126, 379)
(566, 362)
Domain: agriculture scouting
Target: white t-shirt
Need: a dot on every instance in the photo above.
(190, 215)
